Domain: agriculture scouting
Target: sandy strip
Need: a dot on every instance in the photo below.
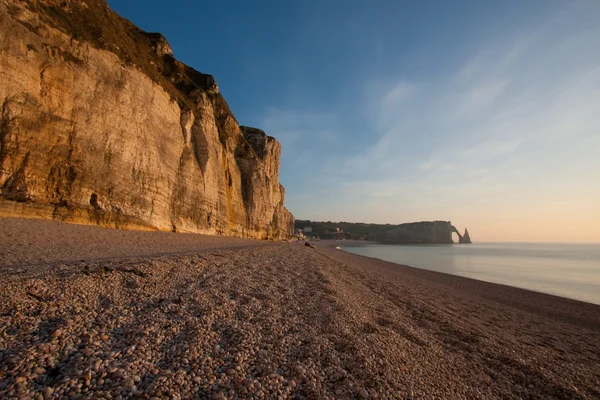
(248, 319)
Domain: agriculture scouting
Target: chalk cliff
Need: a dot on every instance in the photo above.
(426, 232)
(100, 124)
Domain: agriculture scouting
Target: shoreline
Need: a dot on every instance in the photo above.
(486, 288)
(106, 313)
(581, 299)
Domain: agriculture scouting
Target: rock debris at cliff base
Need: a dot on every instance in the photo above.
(244, 319)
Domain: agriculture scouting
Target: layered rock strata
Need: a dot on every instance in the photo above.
(101, 125)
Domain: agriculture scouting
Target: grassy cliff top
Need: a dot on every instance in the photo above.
(94, 22)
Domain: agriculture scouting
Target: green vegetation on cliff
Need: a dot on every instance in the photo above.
(347, 230)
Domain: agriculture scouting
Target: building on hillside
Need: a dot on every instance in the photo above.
(307, 229)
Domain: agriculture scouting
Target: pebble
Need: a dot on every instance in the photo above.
(255, 345)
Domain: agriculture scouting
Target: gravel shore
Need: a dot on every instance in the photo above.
(87, 312)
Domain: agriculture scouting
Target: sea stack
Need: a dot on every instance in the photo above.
(465, 239)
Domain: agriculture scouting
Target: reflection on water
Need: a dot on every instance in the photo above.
(568, 270)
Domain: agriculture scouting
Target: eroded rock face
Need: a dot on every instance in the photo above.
(426, 232)
(92, 131)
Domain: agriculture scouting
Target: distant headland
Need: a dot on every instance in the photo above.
(424, 232)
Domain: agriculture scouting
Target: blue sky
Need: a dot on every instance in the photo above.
(485, 113)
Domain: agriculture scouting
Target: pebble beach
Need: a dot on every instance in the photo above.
(90, 313)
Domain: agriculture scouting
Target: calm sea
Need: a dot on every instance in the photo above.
(567, 270)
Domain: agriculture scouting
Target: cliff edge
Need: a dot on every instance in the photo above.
(101, 125)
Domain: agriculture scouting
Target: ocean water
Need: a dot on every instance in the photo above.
(567, 270)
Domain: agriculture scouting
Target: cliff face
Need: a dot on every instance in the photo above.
(100, 124)
(427, 232)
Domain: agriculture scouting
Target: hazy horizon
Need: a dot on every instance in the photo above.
(484, 114)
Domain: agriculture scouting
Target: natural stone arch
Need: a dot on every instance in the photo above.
(455, 237)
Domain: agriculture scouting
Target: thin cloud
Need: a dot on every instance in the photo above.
(478, 97)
